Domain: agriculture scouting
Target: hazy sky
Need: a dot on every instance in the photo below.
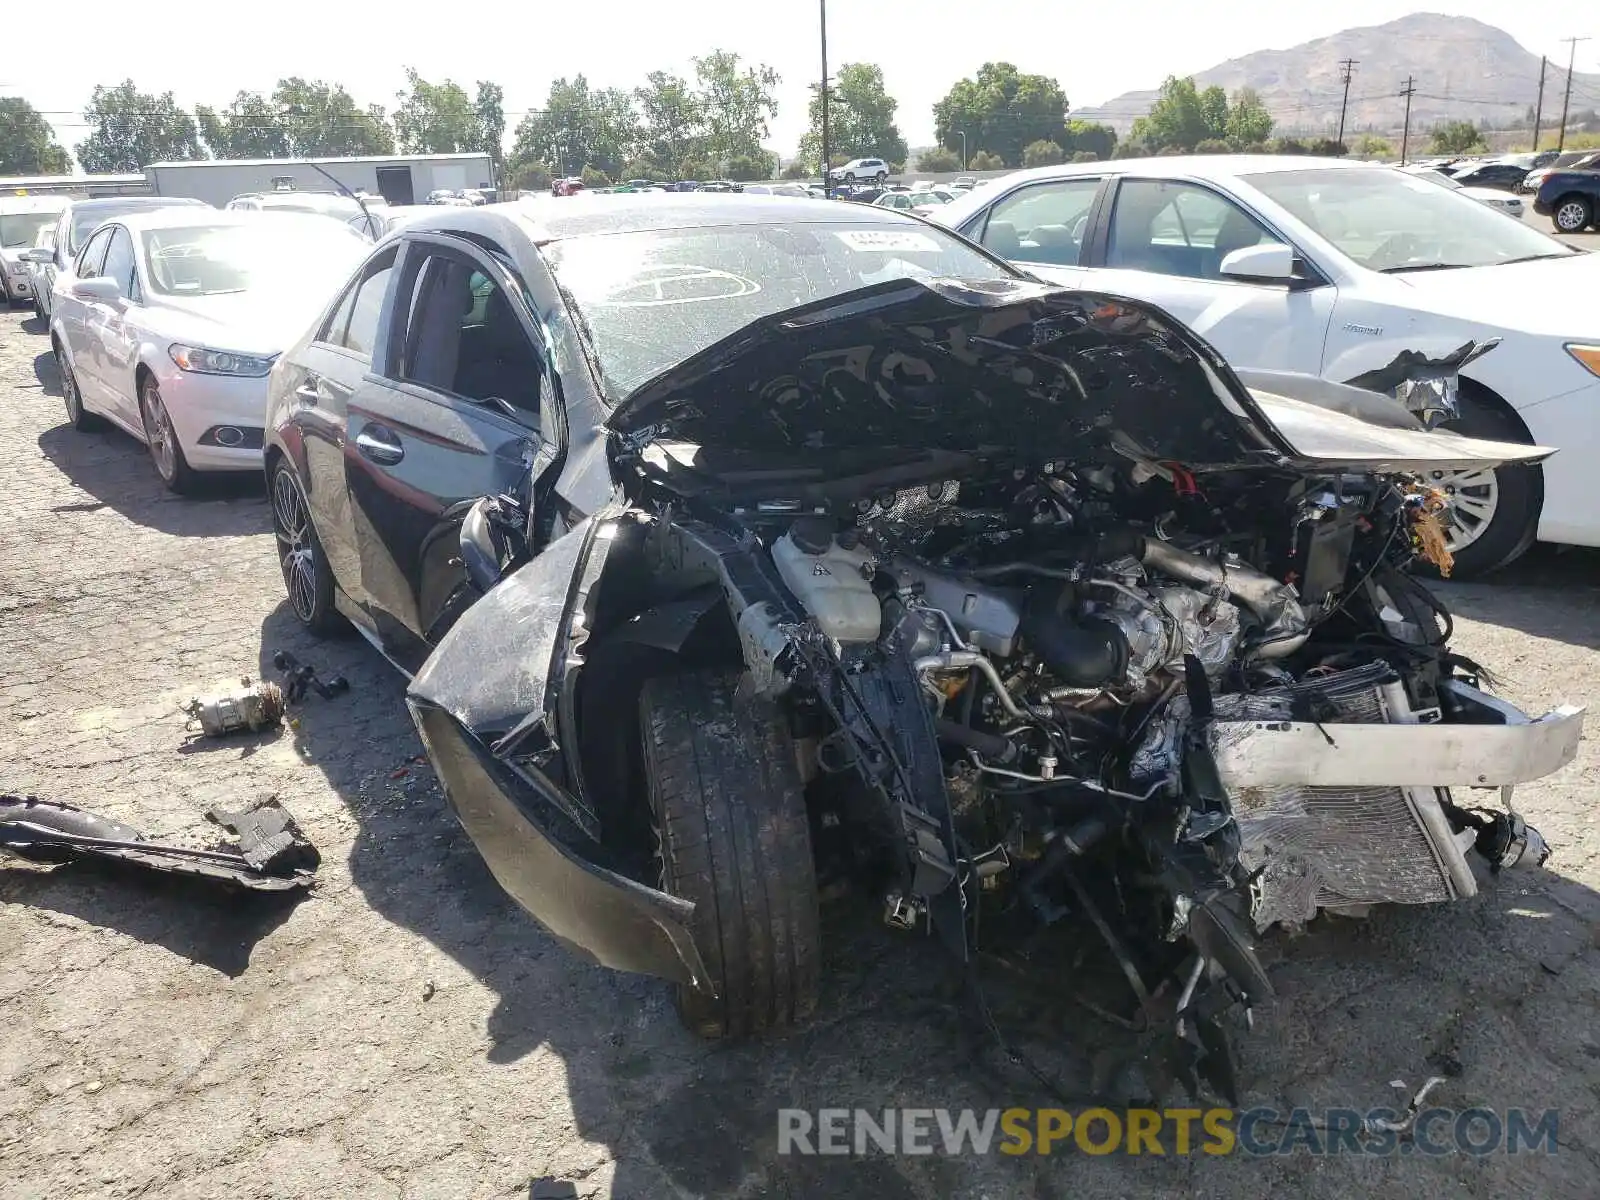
(204, 51)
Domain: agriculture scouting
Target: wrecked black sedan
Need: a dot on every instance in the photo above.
(736, 545)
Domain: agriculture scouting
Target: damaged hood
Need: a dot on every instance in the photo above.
(946, 371)
(1002, 368)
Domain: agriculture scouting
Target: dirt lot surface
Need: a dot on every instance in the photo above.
(405, 1032)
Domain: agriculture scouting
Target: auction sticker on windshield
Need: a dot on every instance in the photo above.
(895, 241)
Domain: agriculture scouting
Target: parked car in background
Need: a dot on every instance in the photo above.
(37, 260)
(1334, 268)
(173, 319)
(1570, 198)
(567, 187)
(1505, 202)
(380, 219)
(472, 196)
(21, 219)
(965, 183)
(323, 204)
(77, 221)
(792, 190)
(1502, 175)
(1583, 160)
(861, 169)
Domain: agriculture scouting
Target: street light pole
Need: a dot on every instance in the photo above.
(826, 181)
(963, 134)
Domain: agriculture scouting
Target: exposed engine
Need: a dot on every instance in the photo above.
(1090, 646)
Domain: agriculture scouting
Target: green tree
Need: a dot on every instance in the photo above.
(593, 177)
(797, 168)
(1042, 154)
(251, 127)
(1248, 119)
(1090, 137)
(672, 123)
(747, 168)
(645, 166)
(27, 143)
(579, 126)
(1181, 118)
(938, 161)
(489, 107)
(324, 122)
(1214, 107)
(531, 177)
(696, 168)
(1370, 145)
(861, 120)
(737, 101)
(1456, 137)
(130, 129)
(435, 118)
(984, 161)
(1000, 110)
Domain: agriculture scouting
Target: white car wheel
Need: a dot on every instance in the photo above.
(1571, 216)
(165, 449)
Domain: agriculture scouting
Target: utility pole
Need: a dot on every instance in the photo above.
(827, 182)
(1349, 69)
(1572, 54)
(1408, 91)
(1538, 108)
(963, 134)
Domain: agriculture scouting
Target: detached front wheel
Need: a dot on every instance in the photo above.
(729, 809)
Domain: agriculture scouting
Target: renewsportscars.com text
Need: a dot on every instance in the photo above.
(1170, 1131)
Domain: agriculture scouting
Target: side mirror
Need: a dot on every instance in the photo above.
(102, 288)
(39, 254)
(1271, 261)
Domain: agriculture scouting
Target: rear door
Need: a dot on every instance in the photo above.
(455, 418)
(1165, 243)
(1042, 227)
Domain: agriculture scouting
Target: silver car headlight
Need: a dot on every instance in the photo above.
(218, 362)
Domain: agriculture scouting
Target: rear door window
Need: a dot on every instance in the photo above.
(1044, 223)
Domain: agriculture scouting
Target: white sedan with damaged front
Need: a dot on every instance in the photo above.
(169, 323)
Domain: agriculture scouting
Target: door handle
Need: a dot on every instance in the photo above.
(382, 447)
(308, 393)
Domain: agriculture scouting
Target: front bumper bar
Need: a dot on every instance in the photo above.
(1447, 754)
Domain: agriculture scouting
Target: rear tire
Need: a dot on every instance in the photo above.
(78, 417)
(1572, 214)
(307, 578)
(729, 807)
(1508, 527)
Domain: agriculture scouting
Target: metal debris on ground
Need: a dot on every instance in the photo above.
(298, 676)
(250, 708)
(271, 855)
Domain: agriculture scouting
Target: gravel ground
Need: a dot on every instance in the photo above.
(405, 1031)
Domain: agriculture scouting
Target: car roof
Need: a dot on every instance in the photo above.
(12, 205)
(1190, 166)
(130, 204)
(548, 219)
(194, 217)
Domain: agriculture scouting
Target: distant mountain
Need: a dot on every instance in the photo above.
(1464, 71)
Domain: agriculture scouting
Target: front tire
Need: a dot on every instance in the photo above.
(881, 178)
(729, 807)
(1572, 214)
(1495, 513)
(162, 438)
(307, 578)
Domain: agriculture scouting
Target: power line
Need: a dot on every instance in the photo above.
(1572, 56)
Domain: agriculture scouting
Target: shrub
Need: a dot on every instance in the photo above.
(531, 177)
(1080, 156)
(1213, 146)
(745, 168)
(984, 161)
(938, 161)
(1329, 148)
(798, 169)
(1042, 153)
(594, 177)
